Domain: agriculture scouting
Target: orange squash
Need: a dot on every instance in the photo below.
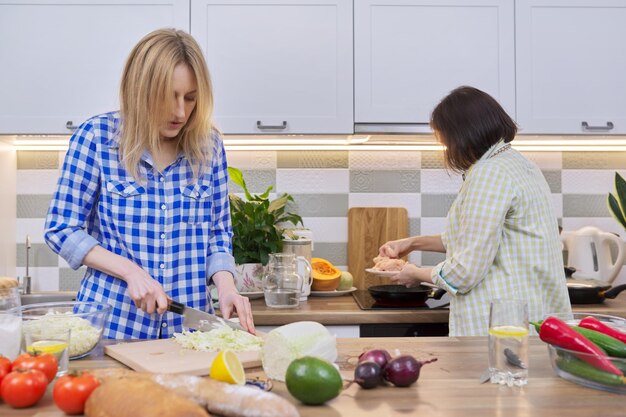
(325, 276)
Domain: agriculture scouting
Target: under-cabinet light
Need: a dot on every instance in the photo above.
(361, 143)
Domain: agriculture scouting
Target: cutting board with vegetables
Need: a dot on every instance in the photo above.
(167, 356)
(368, 229)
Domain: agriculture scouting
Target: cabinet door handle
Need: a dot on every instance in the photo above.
(70, 125)
(260, 125)
(587, 128)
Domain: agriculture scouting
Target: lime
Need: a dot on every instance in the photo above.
(226, 367)
(508, 331)
(47, 346)
(312, 380)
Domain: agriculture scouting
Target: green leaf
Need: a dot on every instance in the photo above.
(615, 209)
(620, 189)
(237, 177)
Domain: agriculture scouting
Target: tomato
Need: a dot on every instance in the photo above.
(5, 367)
(71, 391)
(23, 388)
(43, 362)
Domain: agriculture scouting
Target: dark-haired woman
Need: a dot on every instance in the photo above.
(501, 236)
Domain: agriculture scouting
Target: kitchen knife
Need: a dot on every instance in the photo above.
(200, 320)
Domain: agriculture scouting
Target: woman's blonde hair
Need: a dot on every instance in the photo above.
(145, 99)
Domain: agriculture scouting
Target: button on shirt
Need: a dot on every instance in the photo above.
(176, 228)
(501, 241)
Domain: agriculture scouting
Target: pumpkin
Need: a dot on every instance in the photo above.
(325, 276)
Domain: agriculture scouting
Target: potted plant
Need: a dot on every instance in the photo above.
(617, 202)
(257, 230)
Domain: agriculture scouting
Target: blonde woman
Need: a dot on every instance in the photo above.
(142, 196)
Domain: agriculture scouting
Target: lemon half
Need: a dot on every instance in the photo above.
(47, 346)
(508, 331)
(227, 367)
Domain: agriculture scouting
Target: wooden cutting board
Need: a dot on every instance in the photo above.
(368, 229)
(167, 356)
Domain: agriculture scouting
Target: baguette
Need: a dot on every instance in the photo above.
(217, 397)
(135, 397)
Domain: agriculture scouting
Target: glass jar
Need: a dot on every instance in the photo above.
(282, 285)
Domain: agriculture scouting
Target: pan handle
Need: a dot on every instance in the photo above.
(613, 292)
(437, 293)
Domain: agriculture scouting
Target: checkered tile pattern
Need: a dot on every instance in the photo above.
(326, 183)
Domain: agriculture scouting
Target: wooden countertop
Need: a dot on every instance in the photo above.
(345, 311)
(446, 388)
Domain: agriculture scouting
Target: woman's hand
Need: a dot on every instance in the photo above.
(396, 248)
(411, 276)
(145, 291)
(231, 301)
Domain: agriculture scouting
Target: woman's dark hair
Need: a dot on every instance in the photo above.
(468, 122)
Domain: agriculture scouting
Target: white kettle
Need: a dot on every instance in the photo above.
(589, 251)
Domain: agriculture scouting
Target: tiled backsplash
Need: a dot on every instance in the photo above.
(325, 184)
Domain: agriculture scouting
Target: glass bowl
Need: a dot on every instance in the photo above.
(85, 319)
(572, 366)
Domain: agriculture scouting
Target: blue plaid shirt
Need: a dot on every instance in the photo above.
(178, 230)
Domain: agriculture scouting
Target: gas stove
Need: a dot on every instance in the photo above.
(366, 302)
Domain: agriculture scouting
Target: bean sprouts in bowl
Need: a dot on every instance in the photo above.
(85, 319)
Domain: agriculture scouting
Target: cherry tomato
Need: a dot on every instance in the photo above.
(5, 367)
(43, 362)
(71, 391)
(23, 387)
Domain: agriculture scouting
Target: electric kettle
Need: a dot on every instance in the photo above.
(589, 251)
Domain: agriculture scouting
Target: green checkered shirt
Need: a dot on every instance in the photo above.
(501, 241)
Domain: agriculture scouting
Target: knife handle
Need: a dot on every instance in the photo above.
(175, 307)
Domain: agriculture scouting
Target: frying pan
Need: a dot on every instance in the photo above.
(401, 296)
(591, 291)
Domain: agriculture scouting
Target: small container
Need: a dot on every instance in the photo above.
(55, 341)
(10, 322)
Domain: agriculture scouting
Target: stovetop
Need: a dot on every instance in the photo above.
(366, 302)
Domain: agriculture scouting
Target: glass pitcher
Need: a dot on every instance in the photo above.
(282, 286)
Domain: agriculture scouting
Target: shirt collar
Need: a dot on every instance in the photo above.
(493, 149)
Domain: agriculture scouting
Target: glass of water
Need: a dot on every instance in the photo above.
(508, 342)
(54, 340)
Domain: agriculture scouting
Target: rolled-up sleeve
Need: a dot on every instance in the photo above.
(219, 256)
(74, 199)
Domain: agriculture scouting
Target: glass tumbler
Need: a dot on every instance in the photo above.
(508, 342)
(10, 322)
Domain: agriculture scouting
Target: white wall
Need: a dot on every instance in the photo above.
(8, 192)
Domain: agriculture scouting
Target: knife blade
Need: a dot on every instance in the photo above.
(200, 320)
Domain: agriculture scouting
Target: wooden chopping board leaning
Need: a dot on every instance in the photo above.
(368, 229)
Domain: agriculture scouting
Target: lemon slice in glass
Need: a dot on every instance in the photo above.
(227, 367)
(47, 346)
(508, 331)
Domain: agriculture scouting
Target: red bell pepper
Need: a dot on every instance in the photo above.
(593, 323)
(556, 332)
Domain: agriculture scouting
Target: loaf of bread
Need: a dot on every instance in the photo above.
(217, 397)
(134, 397)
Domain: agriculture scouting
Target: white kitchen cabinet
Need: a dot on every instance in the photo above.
(571, 66)
(278, 66)
(62, 60)
(409, 54)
